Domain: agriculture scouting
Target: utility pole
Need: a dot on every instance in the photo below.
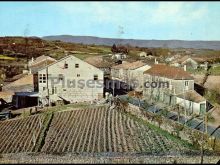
(48, 93)
(184, 100)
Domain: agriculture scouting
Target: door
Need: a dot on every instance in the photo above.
(202, 109)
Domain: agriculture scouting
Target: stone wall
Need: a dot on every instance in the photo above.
(104, 158)
(192, 136)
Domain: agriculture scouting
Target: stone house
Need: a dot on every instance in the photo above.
(120, 72)
(194, 102)
(101, 64)
(35, 64)
(119, 56)
(130, 73)
(172, 85)
(190, 62)
(69, 79)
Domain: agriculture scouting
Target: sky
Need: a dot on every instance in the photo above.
(131, 20)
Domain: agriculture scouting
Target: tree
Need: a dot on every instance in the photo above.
(119, 49)
(114, 48)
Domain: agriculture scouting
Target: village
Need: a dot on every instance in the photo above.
(164, 87)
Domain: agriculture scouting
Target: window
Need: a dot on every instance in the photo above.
(54, 90)
(65, 65)
(78, 75)
(76, 65)
(44, 88)
(42, 78)
(96, 77)
(64, 89)
(186, 83)
(60, 77)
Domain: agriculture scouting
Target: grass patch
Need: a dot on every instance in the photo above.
(196, 71)
(215, 70)
(163, 132)
(4, 57)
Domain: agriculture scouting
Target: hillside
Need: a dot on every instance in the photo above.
(215, 45)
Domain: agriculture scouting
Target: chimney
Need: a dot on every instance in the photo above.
(184, 67)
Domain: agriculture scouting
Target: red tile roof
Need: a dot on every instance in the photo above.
(168, 72)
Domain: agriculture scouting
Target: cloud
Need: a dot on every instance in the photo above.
(178, 12)
(130, 12)
(114, 12)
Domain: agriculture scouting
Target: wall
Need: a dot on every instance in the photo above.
(137, 74)
(185, 133)
(76, 91)
(195, 107)
(105, 158)
(175, 86)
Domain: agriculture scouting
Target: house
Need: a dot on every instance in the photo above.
(136, 74)
(120, 72)
(190, 62)
(172, 86)
(70, 80)
(143, 54)
(130, 72)
(119, 56)
(35, 64)
(192, 101)
(101, 64)
(172, 58)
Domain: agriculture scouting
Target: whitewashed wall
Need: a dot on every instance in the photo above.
(73, 94)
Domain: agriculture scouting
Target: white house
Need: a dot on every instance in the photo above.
(119, 56)
(69, 79)
(41, 61)
(190, 62)
(192, 101)
(143, 54)
(172, 85)
(130, 72)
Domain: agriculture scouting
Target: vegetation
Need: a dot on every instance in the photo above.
(4, 57)
(22, 135)
(196, 71)
(213, 96)
(215, 70)
(104, 130)
(162, 132)
(119, 49)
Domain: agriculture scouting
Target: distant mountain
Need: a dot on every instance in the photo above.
(134, 42)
